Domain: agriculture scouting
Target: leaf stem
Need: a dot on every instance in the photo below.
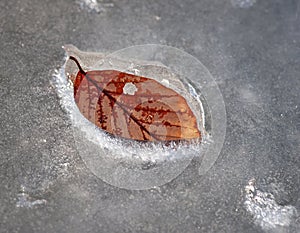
(77, 63)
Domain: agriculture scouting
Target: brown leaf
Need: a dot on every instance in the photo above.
(133, 107)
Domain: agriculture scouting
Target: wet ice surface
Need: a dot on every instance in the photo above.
(267, 213)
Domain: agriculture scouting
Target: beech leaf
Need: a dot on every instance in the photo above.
(133, 107)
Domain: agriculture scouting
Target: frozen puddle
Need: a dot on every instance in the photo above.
(123, 163)
(134, 165)
(267, 214)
